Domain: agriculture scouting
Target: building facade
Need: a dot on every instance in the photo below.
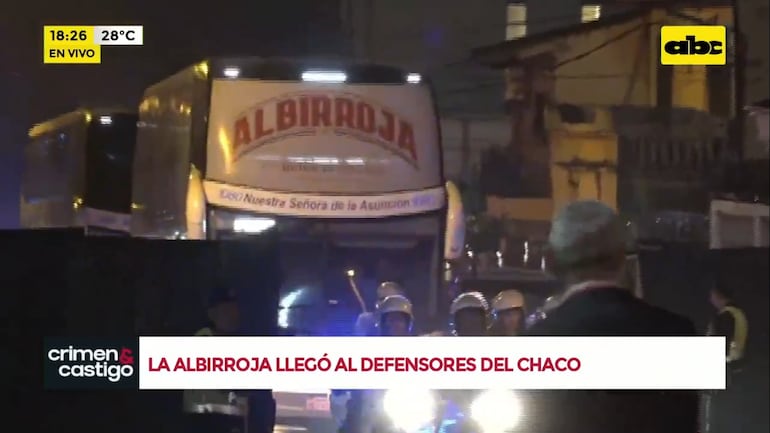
(526, 18)
(591, 106)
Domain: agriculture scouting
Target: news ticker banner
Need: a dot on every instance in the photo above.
(83, 44)
(177, 363)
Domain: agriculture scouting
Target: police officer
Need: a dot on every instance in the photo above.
(469, 317)
(366, 323)
(469, 314)
(388, 288)
(366, 326)
(213, 411)
(395, 318)
(508, 313)
(729, 322)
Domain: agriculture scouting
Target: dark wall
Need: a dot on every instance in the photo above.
(679, 278)
(62, 284)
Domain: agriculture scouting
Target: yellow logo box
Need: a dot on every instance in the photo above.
(693, 45)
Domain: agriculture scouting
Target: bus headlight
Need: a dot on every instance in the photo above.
(496, 411)
(409, 410)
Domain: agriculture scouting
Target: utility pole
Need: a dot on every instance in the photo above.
(739, 80)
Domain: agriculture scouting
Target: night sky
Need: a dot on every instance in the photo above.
(176, 34)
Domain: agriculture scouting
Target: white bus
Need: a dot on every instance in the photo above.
(343, 160)
(77, 172)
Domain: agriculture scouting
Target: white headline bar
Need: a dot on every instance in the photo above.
(432, 362)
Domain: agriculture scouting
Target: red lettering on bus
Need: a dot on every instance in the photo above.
(320, 113)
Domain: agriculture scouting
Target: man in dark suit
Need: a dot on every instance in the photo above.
(587, 241)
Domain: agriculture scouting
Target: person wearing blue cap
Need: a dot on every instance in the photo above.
(213, 411)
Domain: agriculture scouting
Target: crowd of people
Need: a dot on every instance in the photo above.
(588, 246)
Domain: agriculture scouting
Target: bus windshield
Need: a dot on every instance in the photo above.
(318, 256)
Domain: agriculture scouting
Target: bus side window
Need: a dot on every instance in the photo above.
(45, 167)
(33, 160)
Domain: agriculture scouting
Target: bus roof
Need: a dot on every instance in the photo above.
(81, 114)
(291, 69)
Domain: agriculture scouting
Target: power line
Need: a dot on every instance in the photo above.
(604, 44)
(629, 32)
(490, 84)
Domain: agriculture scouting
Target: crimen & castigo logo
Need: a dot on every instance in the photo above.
(90, 363)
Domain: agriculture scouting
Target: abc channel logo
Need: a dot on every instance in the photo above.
(89, 364)
(693, 45)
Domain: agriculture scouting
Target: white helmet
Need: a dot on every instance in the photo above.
(469, 300)
(395, 304)
(388, 288)
(507, 300)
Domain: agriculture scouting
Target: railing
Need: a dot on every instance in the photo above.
(510, 254)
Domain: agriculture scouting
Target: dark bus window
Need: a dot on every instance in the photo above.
(316, 255)
(109, 157)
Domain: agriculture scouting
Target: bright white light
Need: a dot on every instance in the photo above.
(351, 273)
(496, 411)
(105, 120)
(526, 252)
(319, 160)
(252, 225)
(232, 72)
(410, 410)
(413, 78)
(324, 76)
(285, 306)
(591, 13)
